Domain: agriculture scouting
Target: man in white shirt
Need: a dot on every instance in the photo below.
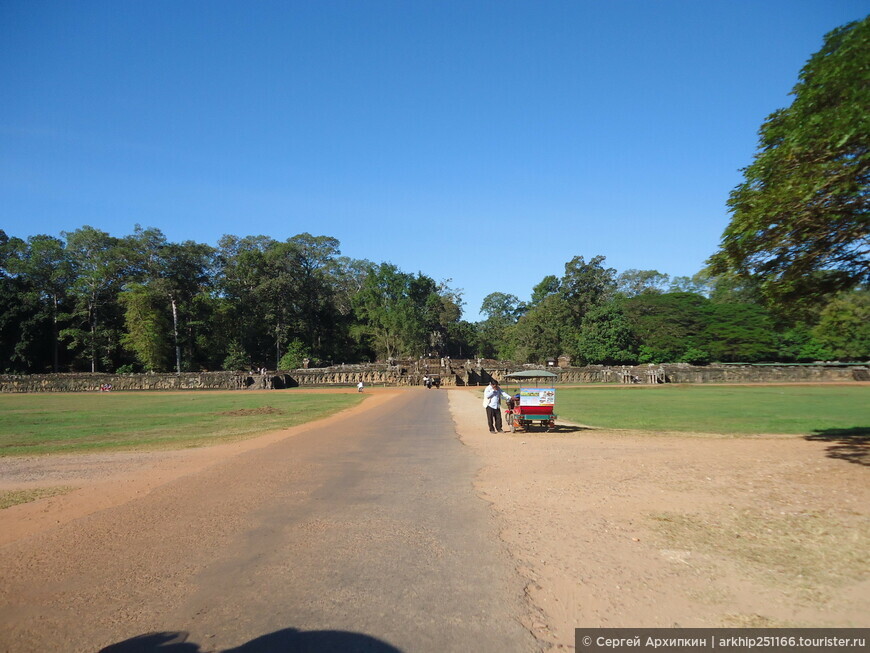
(493, 395)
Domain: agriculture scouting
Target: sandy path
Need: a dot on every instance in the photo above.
(621, 529)
(362, 532)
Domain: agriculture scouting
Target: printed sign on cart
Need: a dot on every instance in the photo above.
(537, 396)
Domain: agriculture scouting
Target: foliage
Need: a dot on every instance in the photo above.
(798, 344)
(740, 333)
(544, 332)
(732, 289)
(606, 338)
(45, 271)
(147, 328)
(549, 285)
(237, 358)
(294, 357)
(844, 326)
(462, 339)
(668, 325)
(632, 283)
(502, 307)
(700, 283)
(502, 310)
(19, 326)
(695, 356)
(401, 314)
(94, 301)
(800, 219)
(98, 262)
(586, 285)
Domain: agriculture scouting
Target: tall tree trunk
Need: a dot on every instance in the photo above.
(94, 343)
(175, 335)
(54, 335)
(93, 316)
(278, 346)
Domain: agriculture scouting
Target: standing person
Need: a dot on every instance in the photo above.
(359, 386)
(493, 396)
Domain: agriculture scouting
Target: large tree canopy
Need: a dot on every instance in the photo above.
(800, 218)
(141, 302)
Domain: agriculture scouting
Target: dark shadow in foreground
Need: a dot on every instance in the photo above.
(851, 445)
(288, 640)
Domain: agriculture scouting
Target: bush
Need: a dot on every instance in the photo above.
(237, 358)
(647, 354)
(695, 357)
(296, 353)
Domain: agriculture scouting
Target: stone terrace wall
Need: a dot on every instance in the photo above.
(680, 373)
(373, 374)
(87, 382)
(412, 375)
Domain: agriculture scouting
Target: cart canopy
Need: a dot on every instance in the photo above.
(532, 374)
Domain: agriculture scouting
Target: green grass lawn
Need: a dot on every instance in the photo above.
(739, 410)
(66, 423)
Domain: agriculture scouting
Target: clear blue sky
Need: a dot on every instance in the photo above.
(484, 142)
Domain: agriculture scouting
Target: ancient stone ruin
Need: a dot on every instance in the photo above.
(449, 373)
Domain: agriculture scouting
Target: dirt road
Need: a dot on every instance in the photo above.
(364, 533)
(367, 531)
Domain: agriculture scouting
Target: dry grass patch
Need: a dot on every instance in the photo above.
(245, 412)
(752, 621)
(812, 552)
(11, 498)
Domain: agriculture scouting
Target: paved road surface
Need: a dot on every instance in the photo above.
(362, 535)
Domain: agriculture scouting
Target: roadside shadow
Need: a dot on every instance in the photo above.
(288, 640)
(851, 445)
(559, 429)
(571, 428)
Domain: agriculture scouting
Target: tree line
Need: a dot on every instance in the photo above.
(90, 301)
(598, 316)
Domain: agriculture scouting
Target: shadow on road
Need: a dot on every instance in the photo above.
(288, 640)
(851, 445)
